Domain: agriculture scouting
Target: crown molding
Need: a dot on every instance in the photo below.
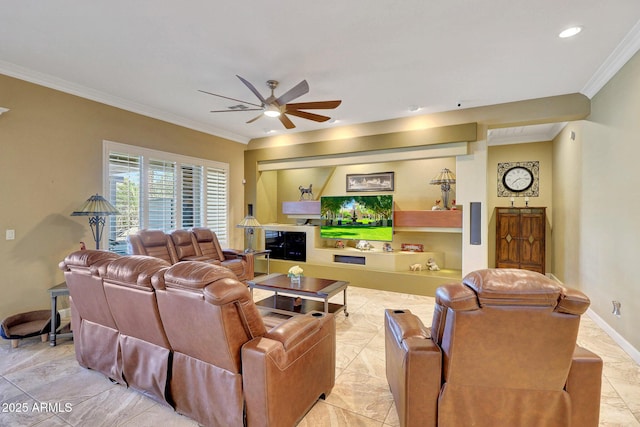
(22, 73)
(614, 62)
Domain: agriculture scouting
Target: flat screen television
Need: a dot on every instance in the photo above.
(357, 217)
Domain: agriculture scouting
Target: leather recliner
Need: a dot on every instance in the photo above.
(186, 248)
(146, 354)
(501, 350)
(153, 243)
(227, 368)
(95, 333)
(241, 263)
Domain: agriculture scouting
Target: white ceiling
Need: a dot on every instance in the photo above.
(378, 56)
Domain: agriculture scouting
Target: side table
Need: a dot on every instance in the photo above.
(55, 292)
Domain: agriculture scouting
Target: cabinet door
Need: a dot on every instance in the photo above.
(507, 242)
(532, 244)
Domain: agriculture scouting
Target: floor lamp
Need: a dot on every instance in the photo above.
(96, 208)
(249, 223)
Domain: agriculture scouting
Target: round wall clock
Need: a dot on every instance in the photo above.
(517, 179)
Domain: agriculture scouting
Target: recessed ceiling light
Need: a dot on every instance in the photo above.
(569, 32)
(414, 108)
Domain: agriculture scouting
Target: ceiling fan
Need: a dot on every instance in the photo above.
(279, 107)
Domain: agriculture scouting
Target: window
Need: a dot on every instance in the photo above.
(163, 191)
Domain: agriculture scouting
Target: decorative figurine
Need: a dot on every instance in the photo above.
(431, 265)
(436, 207)
(340, 244)
(82, 246)
(415, 267)
(363, 245)
(387, 247)
(307, 191)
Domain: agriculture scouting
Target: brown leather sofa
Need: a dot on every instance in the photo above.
(198, 244)
(189, 335)
(501, 350)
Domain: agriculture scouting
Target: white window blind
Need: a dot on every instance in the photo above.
(192, 196)
(163, 191)
(161, 195)
(217, 206)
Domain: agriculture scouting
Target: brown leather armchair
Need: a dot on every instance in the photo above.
(501, 350)
(153, 243)
(95, 334)
(239, 262)
(227, 368)
(146, 354)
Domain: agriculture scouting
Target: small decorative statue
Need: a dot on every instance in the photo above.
(307, 191)
(340, 244)
(415, 267)
(436, 207)
(363, 245)
(82, 246)
(431, 265)
(387, 247)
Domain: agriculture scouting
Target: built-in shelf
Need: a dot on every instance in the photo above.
(450, 219)
(303, 207)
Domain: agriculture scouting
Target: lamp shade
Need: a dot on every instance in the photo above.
(96, 206)
(249, 221)
(445, 176)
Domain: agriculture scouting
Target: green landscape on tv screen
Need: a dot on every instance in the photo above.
(357, 217)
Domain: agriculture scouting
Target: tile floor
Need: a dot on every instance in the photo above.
(55, 391)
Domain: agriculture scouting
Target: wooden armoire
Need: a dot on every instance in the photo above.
(520, 238)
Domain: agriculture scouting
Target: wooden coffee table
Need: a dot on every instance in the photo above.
(299, 299)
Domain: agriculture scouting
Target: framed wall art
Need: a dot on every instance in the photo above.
(381, 181)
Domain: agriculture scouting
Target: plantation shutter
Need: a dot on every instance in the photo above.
(124, 193)
(217, 205)
(163, 191)
(191, 196)
(161, 195)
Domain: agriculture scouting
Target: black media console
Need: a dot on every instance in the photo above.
(287, 245)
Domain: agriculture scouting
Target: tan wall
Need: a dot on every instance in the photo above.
(51, 161)
(540, 151)
(597, 200)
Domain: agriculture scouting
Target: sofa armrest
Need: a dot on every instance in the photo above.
(234, 253)
(583, 385)
(285, 371)
(413, 367)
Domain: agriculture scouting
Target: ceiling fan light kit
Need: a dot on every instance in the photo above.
(280, 107)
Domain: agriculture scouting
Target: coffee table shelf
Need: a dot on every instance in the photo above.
(312, 294)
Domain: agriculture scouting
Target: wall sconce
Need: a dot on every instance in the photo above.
(96, 208)
(445, 178)
(249, 223)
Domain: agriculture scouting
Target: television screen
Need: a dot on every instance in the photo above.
(357, 217)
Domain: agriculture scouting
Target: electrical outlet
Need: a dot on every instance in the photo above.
(10, 234)
(616, 308)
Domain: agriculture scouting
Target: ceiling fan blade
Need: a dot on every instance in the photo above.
(320, 105)
(252, 89)
(255, 118)
(293, 93)
(235, 111)
(286, 121)
(308, 116)
(232, 99)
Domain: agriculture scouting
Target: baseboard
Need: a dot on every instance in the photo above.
(619, 339)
